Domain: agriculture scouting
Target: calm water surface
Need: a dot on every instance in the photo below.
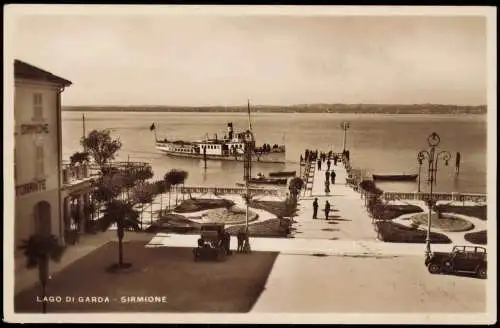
(378, 143)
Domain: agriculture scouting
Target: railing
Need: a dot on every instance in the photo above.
(453, 196)
(230, 190)
(72, 174)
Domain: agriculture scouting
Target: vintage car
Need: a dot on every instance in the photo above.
(211, 243)
(462, 259)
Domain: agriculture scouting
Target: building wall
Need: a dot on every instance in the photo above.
(33, 186)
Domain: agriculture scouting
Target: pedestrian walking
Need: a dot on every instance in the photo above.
(328, 164)
(315, 208)
(327, 186)
(327, 175)
(333, 175)
(327, 209)
(335, 159)
(319, 164)
(241, 239)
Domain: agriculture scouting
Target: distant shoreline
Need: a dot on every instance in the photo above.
(333, 109)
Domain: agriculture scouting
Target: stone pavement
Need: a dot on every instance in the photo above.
(348, 220)
(25, 278)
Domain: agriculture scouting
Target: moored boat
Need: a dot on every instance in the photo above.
(395, 177)
(231, 147)
(282, 174)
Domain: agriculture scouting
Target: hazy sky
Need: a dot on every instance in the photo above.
(216, 60)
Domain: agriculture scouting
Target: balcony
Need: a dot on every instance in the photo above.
(75, 174)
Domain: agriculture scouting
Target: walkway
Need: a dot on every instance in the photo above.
(348, 220)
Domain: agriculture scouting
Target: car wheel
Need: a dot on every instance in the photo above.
(481, 273)
(447, 266)
(434, 268)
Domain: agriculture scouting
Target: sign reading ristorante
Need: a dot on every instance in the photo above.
(31, 187)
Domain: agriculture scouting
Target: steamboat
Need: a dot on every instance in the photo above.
(231, 147)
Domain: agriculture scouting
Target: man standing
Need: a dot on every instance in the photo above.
(319, 164)
(315, 208)
(327, 209)
(328, 163)
(241, 240)
(333, 175)
(335, 159)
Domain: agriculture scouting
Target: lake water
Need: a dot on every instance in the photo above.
(378, 143)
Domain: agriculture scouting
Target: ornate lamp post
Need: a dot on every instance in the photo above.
(432, 158)
(345, 126)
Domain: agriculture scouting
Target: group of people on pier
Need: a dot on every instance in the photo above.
(315, 155)
(326, 209)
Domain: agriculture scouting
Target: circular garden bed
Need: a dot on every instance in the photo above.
(447, 222)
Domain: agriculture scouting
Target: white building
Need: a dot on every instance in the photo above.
(37, 152)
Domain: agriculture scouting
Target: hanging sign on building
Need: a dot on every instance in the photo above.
(31, 187)
(34, 128)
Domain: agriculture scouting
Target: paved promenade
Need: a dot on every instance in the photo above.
(348, 218)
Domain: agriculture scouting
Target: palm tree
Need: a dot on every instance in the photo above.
(39, 250)
(123, 214)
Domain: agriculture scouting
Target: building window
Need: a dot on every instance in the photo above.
(39, 161)
(37, 107)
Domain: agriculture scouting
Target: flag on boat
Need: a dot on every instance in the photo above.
(152, 127)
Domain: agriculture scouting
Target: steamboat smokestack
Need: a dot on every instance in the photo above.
(230, 130)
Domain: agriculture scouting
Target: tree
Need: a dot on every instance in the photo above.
(161, 188)
(79, 158)
(121, 213)
(110, 185)
(173, 178)
(296, 184)
(144, 193)
(39, 250)
(101, 146)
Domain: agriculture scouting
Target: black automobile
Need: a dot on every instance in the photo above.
(462, 259)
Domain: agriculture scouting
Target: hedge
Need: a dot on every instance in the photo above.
(479, 237)
(389, 231)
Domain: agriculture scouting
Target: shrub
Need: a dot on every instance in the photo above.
(397, 233)
(478, 211)
(479, 237)
(370, 187)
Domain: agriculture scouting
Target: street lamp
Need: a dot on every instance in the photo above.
(432, 158)
(344, 126)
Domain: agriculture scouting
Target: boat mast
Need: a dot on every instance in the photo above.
(249, 120)
(84, 132)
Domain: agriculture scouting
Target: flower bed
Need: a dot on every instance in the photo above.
(175, 223)
(279, 208)
(389, 231)
(233, 215)
(196, 205)
(447, 222)
(268, 228)
(478, 211)
(479, 237)
(389, 212)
